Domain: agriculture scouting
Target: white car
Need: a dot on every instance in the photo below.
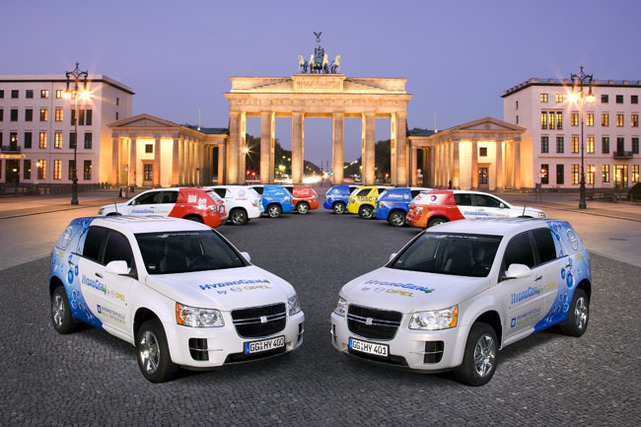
(459, 292)
(175, 289)
(242, 203)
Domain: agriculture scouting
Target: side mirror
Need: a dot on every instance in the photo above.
(246, 256)
(119, 268)
(502, 206)
(392, 256)
(517, 271)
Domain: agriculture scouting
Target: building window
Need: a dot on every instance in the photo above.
(28, 115)
(1, 114)
(551, 119)
(59, 114)
(148, 172)
(559, 144)
(605, 173)
(516, 105)
(28, 140)
(634, 99)
(42, 168)
(43, 140)
(482, 151)
(620, 119)
(559, 175)
(57, 140)
(635, 173)
(149, 148)
(86, 170)
(574, 119)
(635, 120)
(619, 99)
(559, 98)
(605, 119)
(118, 101)
(26, 169)
(589, 176)
(620, 145)
(28, 93)
(605, 99)
(545, 174)
(545, 144)
(1, 93)
(72, 168)
(88, 140)
(44, 94)
(589, 119)
(14, 115)
(589, 145)
(116, 115)
(43, 115)
(14, 94)
(72, 140)
(88, 117)
(559, 120)
(605, 145)
(517, 120)
(635, 145)
(544, 97)
(13, 141)
(574, 145)
(57, 170)
(575, 174)
(59, 93)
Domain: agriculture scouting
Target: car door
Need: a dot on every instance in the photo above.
(145, 203)
(488, 206)
(166, 202)
(465, 205)
(552, 265)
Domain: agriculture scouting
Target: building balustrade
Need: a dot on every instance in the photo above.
(622, 154)
(12, 148)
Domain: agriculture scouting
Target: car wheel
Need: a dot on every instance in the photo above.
(577, 321)
(153, 353)
(339, 208)
(436, 221)
(480, 357)
(274, 211)
(302, 208)
(238, 217)
(397, 218)
(61, 318)
(366, 212)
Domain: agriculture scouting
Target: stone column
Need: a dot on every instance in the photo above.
(267, 147)
(456, 172)
(401, 161)
(115, 161)
(175, 174)
(298, 135)
(133, 143)
(220, 177)
(338, 146)
(157, 156)
(517, 164)
(475, 165)
(234, 154)
(499, 165)
(414, 152)
(368, 125)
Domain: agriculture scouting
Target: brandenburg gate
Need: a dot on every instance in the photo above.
(312, 95)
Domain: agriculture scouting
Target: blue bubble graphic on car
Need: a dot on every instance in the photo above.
(70, 277)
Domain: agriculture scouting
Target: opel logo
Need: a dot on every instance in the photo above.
(263, 319)
(369, 321)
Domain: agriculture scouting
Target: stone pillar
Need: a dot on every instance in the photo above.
(133, 143)
(517, 164)
(234, 154)
(368, 155)
(401, 158)
(475, 165)
(298, 135)
(414, 152)
(499, 165)
(157, 169)
(115, 161)
(220, 178)
(338, 146)
(456, 172)
(267, 120)
(175, 170)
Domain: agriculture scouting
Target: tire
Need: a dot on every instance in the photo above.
(339, 208)
(238, 217)
(274, 211)
(396, 218)
(152, 353)
(302, 208)
(480, 358)
(577, 322)
(194, 218)
(61, 318)
(366, 212)
(436, 221)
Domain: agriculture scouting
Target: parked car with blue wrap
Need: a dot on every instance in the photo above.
(276, 199)
(393, 204)
(337, 197)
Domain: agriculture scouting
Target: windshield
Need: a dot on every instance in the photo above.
(450, 253)
(186, 251)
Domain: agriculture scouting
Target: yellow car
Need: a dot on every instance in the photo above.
(362, 201)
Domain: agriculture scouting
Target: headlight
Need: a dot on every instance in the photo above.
(434, 320)
(418, 210)
(287, 199)
(198, 317)
(293, 306)
(341, 307)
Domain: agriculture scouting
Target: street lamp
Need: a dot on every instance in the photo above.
(578, 80)
(79, 78)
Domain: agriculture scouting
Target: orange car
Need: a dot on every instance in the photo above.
(305, 198)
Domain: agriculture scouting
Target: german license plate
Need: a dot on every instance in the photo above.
(369, 347)
(252, 347)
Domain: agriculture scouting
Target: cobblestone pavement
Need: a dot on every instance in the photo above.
(91, 378)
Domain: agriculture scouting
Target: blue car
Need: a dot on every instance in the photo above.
(393, 204)
(336, 198)
(276, 199)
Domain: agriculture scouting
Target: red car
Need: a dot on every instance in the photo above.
(305, 198)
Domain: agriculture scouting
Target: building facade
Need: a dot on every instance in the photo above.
(38, 129)
(552, 143)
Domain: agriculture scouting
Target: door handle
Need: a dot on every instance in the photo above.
(537, 278)
(99, 275)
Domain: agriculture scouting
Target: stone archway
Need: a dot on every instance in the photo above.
(317, 95)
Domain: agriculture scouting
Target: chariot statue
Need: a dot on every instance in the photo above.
(319, 60)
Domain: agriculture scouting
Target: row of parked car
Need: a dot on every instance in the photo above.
(215, 205)
(421, 207)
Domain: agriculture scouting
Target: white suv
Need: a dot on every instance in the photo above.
(241, 203)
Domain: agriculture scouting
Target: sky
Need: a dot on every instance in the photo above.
(458, 56)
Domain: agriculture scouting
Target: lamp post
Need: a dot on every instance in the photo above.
(79, 78)
(578, 80)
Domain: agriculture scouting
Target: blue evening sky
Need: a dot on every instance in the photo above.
(458, 56)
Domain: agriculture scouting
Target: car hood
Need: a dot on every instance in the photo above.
(225, 289)
(408, 291)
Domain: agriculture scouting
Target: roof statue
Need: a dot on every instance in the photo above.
(319, 60)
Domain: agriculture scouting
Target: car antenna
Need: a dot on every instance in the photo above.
(116, 207)
(524, 206)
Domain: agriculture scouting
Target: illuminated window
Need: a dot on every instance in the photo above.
(589, 145)
(575, 174)
(545, 174)
(620, 119)
(148, 170)
(545, 144)
(551, 119)
(57, 170)
(635, 173)
(605, 173)
(43, 115)
(86, 171)
(44, 93)
(59, 114)
(42, 168)
(589, 119)
(575, 144)
(605, 119)
(559, 98)
(589, 174)
(59, 93)
(57, 140)
(574, 119)
(605, 145)
(559, 120)
(635, 120)
(43, 140)
(544, 120)
(559, 144)
(544, 97)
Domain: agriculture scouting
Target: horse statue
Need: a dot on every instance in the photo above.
(336, 64)
(302, 64)
(312, 65)
(325, 66)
